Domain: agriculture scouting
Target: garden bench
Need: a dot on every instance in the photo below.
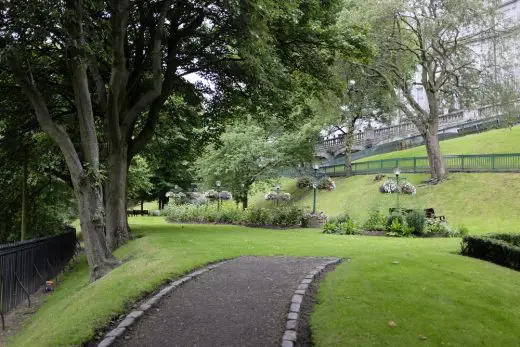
(137, 213)
(430, 214)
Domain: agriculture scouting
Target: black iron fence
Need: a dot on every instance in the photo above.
(25, 266)
(453, 163)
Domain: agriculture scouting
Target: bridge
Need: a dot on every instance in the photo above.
(404, 135)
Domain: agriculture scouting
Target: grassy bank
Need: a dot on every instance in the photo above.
(483, 202)
(489, 142)
(433, 291)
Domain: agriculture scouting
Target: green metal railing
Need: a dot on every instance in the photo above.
(453, 163)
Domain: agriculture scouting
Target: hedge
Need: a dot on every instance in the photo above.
(495, 248)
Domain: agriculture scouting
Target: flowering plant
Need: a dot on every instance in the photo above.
(273, 196)
(405, 187)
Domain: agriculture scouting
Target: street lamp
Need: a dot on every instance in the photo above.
(314, 186)
(397, 172)
(218, 194)
(277, 194)
(351, 85)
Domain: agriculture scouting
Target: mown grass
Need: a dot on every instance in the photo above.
(483, 202)
(489, 142)
(450, 299)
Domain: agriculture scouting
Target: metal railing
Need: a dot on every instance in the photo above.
(25, 266)
(453, 163)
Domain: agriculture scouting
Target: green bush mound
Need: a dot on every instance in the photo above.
(343, 225)
(282, 216)
(501, 249)
(404, 223)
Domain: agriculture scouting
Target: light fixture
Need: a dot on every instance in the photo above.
(316, 167)
(217, 183)
(397, 171)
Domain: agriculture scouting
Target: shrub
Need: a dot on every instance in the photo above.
(416, 220)
(438, 228)
(285, 216)
(376, 221)
(326, 183)
(340, 219)
(257, 216)
(390, 219)
(304, 183)
(492, 248)
(342, 226)
(399, 228)
(462, 230)
(513, 239)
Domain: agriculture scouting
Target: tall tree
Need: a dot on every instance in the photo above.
(249, 153)
(120, 60)
(436, 37)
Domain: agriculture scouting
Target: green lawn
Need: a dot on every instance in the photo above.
(489, 142)
(483, 202)
(450, 299)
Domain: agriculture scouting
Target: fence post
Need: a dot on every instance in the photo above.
(414, 164)
(381, 165)
(493, 162)
(462, 162)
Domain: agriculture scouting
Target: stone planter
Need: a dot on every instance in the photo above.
(316, 223)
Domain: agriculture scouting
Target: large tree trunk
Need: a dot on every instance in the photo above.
(91, 215)
(349, 143)
(435, 159)
(25, 205)
(245, 202)
(117, 223)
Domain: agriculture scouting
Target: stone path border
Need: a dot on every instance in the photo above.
(293, 316)
(112, 335)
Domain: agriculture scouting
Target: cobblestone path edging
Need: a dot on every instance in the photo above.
(293, 317)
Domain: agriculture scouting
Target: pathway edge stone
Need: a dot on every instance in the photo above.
(293, 315)
(130, 318)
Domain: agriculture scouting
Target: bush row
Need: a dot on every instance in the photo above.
(493, 248)
(282, 216)
(413, 223)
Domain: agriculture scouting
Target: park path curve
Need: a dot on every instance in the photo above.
(242, 302)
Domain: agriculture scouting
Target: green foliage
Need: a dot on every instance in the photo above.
(394, 216)
(376, 221)
(494, 248)
(399, 228)
(513, 239)
(437, 227)
(140, 186)
(249, 153)
(344, 225)
(282, 216)
(416, 219)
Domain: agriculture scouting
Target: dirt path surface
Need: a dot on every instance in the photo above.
(243, 302)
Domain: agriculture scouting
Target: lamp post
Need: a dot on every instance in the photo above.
(277, 194)
(218, 194)
(314, 186)
(397, 172)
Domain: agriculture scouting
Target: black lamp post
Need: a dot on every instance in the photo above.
(397, 172)
(314, 186)
(277, 194)
(217, 184)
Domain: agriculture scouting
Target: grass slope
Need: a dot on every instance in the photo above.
(450, 299)
(489, 142)
(484, 202)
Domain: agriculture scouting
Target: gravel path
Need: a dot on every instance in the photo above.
(243, 302)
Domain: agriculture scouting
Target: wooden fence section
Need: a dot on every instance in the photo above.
(25, 266)
(453, 163)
